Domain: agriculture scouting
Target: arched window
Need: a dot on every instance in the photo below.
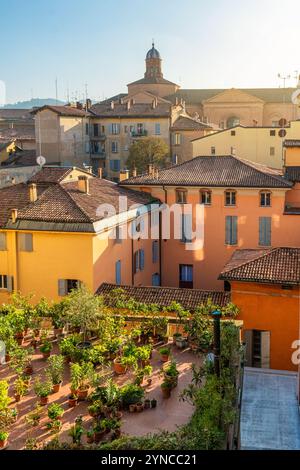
(233, 121)
(205, 197)
(265, 198)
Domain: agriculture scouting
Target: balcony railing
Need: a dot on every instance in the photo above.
(292, 208)
(142, 133)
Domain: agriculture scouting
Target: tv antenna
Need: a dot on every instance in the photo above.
(284, 78)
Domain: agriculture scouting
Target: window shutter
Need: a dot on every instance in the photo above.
(228, 230)
(142, 259)
(28, 241)
(110, 128)
(156, 280)
(62, 287)
(234, 230)
(118, 272)
(154, 251)
(265, 349)
(111, 164)
(10, 283)
(268, 230)
(135, 262)
(2, 241)
(248, 340)
(265, 231)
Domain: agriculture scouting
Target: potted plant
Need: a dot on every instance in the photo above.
(140, 374)
(175, 336)
(147, 404)
(54, 371)
(99, 431)
(119, 366)
(164, 354)
(76, 431)
(72, 400)
(139, 406)
(131, 394)
(55, 412)
(3, 439)
(153, 403)
(20, 388)
(81, 377)
(46, 348)
(166, 389)
(42, 390)
(171, 374)
(90, 436)
(34, 417)
(95, 409)
(21, 360)
(116, 430)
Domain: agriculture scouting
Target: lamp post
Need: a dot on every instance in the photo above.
(217, 341)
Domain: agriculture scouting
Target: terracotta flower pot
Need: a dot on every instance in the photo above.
(82, 394)
(119, 368)
(166, 392)
(7, 358)
(139, 407)
(117, 433)
(90, 439)
(132, 408)
(28, 370)
(3, 444)
(56, 388)
(147, 404)
(164, 357)
(57, 332)
(44, 401)
(72, 402)
(17, 397)
(46, 355)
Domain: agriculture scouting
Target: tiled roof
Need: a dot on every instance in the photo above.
(271, 266)
(21, 158)
(24, 133)
(270, 95)
(136, 109)
(291, 143)
(13, 114)
(188, 123)
(50, 175)
(164, 296)
(216, 171)
(292, 173)
(62, 202)
(63, 110)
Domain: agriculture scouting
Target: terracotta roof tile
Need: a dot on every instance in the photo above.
(188, 123)
(164, 296)
(271, 266)
(136, 109)
(291, 143)
(63, 110)
(218, 171)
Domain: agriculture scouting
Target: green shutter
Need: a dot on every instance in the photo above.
(234, 230)
(62, 287)
(265, 231)
(228, 230)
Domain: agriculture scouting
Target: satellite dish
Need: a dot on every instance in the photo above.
(41, 160)
(296, 97)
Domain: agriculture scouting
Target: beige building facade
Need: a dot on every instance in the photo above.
(259, 144)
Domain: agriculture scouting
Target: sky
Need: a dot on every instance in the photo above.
(102, 44)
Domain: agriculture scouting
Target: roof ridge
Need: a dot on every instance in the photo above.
(159, 288)
(255, 166)
(75, 203)
(245, 263)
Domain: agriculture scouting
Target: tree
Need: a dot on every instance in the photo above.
(148, 150)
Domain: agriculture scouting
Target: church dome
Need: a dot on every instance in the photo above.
(153, 53)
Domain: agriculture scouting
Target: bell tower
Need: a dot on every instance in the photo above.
(153, 64)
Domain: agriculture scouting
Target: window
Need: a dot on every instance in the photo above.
(140, 128)
(2, 241)
(125, 129)
(213, 150)
(87, 130)
(96, 130)
(181, 196)
(175, 159)
(177, 138)
(155, 251)
(275, 123)
(205, 197)
(65, 286)
(118, 273)
(139, 260)
(232, 133)
(231, 230)
(233, 121)
(155, 280)
(230, 198)
(265, 199)
(115, 165)
(272, 133)
(227, 286)
(3, 281)
(272, 151)
(87, 147)
(186, 276)
(25, 242)
(186, 228)
(157, 128)
(265, 231)
(114, 146)
(118, 234)
(114, 128)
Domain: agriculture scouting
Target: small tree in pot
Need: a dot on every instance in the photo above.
(55, 370)
(42, 389)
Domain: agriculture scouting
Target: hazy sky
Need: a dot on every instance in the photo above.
(204, 44)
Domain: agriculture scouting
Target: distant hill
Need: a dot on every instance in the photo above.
(32, 103)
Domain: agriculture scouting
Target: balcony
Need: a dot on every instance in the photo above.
(98, 137)
(292, 208)
(141, 133)
(98, 155)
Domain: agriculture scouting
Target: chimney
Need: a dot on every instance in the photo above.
(176, 101)
(32, 192)
(156, 173)
(124, 175)
(128, 105)
(132, 101)
(88, 104)
(79, 105)
(121, 101)
(83, 184)
(14, 215)
(13, 180)
(150, 169)
(112, 105)
(100, 173)
(154, 103)
(134, 172)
